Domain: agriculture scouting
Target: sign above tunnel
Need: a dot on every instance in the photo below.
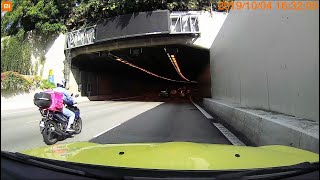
(80, 37)
(133, 25)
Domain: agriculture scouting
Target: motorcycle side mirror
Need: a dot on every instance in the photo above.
(77, 95)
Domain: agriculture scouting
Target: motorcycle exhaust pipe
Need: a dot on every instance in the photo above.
(60, 133)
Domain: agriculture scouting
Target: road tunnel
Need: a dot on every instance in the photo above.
(143, 73)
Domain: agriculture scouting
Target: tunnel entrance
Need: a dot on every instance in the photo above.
(174, 68)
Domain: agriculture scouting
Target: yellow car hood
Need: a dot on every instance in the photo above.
(176, 155)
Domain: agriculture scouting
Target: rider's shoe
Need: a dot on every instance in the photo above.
(70, 130)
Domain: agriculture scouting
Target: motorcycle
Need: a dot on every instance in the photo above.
(53, 125)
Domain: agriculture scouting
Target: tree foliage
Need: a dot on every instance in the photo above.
(15, 55)
(88, 12)
(45, 16)
(49, 17)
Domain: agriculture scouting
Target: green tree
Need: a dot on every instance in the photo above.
(15, 55)
(47, 17)
(88, 12)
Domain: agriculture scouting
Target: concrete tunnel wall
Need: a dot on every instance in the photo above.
(268, 60)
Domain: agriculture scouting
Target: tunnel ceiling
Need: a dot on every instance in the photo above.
(190, 60)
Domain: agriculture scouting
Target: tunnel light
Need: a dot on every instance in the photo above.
(176, 66)
(144, 70)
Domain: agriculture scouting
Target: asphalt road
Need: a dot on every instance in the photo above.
(116, 122)
(165, 123)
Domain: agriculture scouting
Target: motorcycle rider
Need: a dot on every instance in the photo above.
(66, 99)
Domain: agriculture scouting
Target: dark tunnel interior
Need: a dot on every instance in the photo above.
(101, 77)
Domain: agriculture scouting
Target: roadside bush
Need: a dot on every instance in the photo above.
(45, 84)
(15, 82)
(35, 81)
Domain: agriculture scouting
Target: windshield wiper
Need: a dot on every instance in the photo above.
(273, 173)
(29, 160)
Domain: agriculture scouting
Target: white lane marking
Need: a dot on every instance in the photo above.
(106, 130)
(33, 121)
(202, 110)
(231, 137)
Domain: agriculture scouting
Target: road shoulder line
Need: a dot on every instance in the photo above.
(106, 130)
(207, 115)
(229, 135)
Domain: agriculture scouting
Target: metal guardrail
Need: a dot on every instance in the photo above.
(182, 23)
(80, 37)
(179, 23)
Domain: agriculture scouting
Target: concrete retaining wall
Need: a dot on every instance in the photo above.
(17, 101)
(209, 25)
(53, 52)
(268, 59)
(54, 58)
(267, 128)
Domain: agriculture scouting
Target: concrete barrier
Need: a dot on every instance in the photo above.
(24, 100)
(17, 101)
(267, 128)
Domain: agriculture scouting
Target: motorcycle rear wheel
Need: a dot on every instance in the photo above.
(49, 137)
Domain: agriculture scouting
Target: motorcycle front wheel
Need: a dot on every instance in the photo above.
(49, 137)
(77, 126)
